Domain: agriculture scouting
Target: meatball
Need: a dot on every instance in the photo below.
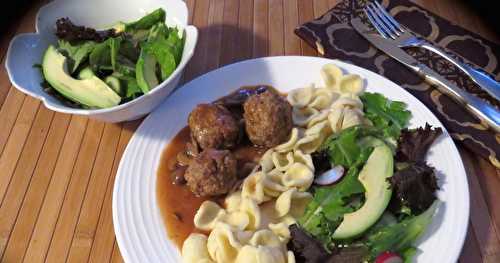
(268, 119)
(213, 126)
(211, 173)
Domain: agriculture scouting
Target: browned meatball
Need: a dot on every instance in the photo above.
(211, 173)
(268, 119)
(213, 126)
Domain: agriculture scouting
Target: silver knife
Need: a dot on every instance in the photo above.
(476, 106)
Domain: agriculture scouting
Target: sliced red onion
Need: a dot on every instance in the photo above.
(331, 176)
(388, 257)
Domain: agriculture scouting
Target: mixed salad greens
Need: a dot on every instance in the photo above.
(101, 69)
(385, 199)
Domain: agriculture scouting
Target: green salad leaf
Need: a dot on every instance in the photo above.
(130, 58)
(105, 54)
(100, 57)
(114, 47)
(129, 51)
(147, 21)
(131, 89)
(76, 53)
(163, 55)
(344, 148)
(386, 115)
(408, 254)
(401, 236)
(325, 212)
(176, 44)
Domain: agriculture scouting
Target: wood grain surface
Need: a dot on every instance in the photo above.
(57, 171)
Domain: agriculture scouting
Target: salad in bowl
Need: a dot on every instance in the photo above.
(88, 58)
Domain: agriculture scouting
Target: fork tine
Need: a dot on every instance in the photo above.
(396, 24)
(381, 19)
(374, 24)
(382, 14)
(379, 25)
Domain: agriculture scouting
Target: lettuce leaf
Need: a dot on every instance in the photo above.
(147, 21)
(76, 54)
(400, 237)
(414, 144)
(388, 116)
(326, 211)
(165, 45)
(345, 148)
(114, 47)
(100, 57)
(105, 54)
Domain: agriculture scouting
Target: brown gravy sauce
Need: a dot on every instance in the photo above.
(177, 204)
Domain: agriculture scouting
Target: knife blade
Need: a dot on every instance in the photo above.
(479, 108)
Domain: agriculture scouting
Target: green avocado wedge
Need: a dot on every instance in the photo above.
(145, 71)
(373, 177)
(91, 91)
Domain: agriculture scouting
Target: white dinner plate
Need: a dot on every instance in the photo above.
(138, 224)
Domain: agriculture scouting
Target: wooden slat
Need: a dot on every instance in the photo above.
(470, 252)
(75, 193)
(229, 32)
(104, 238)
(489, 180)
(8, 115)
(190, 5)
(33, 199)
(116, 257)
(291, 21)
(320, 7)
(49, 212)
(275, 34)
(306, 14)
(200, 18)
(260, 28)
(15, 144)
(215, 28)
(245, 30)
(21, 176)
(93, 200)
(484, 229)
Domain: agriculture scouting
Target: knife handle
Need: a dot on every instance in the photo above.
(485, 81)
(473, 104)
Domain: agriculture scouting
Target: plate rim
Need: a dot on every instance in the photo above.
(267, 59)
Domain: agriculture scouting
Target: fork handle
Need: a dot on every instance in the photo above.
(485, 81)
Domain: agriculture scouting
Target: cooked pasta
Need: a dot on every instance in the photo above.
(253, 226)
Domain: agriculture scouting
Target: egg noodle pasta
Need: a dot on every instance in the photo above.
(253, 224)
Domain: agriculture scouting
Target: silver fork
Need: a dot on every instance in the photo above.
(388, 27)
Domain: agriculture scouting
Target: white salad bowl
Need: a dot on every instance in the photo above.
(26, 50)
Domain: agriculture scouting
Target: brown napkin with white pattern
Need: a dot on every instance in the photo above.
(333, 37)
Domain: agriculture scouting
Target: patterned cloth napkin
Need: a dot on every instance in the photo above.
(333, 37)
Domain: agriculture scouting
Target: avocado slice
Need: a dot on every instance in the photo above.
(92, 91)
(146, 72)
(114, 83)
(373, 177)
(86, 73)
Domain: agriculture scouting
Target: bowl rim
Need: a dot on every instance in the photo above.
(186, 57)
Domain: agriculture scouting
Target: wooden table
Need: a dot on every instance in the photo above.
(57, 170)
